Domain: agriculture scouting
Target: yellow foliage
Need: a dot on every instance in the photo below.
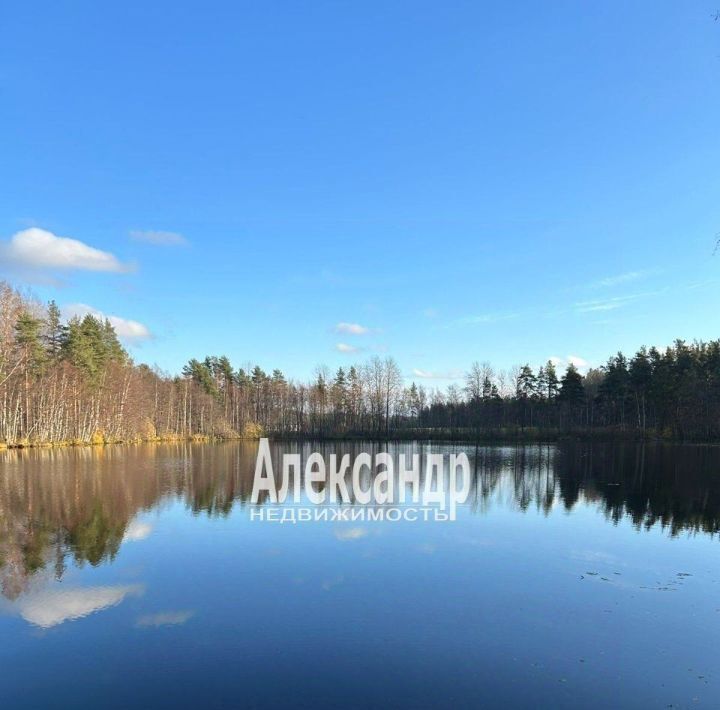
(253, 430)
(148, 431)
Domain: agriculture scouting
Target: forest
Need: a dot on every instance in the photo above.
(74, 383)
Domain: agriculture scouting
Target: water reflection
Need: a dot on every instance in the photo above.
(49, 607)
(79, 506)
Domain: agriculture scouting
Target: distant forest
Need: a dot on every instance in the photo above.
(75, 383)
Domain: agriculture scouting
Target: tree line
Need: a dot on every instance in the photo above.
(73, 382)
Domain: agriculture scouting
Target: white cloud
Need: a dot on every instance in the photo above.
(432, 375)
(580, 363)
(52, 607)
(345, 348)
(130, 330)
(37, 248)
(351, 329)
(158, 237)
(165, 618)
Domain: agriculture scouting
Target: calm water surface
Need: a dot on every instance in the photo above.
(575, 576)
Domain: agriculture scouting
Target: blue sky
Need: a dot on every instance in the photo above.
(464, 180)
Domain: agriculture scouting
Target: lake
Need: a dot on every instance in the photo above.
(574, 576)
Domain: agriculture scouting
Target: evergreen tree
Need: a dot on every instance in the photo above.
(572, 391)
(28, 339)
(526, 384)
(53, 336)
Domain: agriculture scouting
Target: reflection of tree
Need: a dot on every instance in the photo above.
(77, 504)
(675, 486)
(74, 506)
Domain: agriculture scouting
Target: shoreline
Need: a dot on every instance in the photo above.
(485, 439)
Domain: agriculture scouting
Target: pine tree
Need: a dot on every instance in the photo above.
(572, 391)
(53, 336)
(28, 339)
(526, 384)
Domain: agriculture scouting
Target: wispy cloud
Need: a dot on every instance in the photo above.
(437, 375)
(486, 318)
(346, 349)
(158, 238)
(611, 304)
(36, 248)
(165, 618)
(129, 330)
(430, 312)
(351, 329)
(627, 277)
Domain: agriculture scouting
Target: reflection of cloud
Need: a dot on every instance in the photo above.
(328, 584)
(350, 534)
(52, 607)
(165, 618)
(594, 556)
(427, 548)
(136, 531)
(474, 541)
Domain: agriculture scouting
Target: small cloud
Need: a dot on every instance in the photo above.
(136, 531)
(159, 238)
(350, 534)
(431, 313)
(345, 348)
(580, 363)
(39, 249)
(165, 618)
(351, 329)
(430, 375)
(129, 330)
